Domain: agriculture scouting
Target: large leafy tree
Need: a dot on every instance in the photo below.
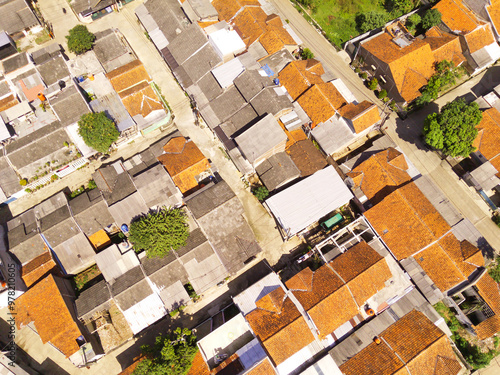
(98, 131)
(159, 231)
(370, 20)
(431, 18)
(453, 130)
(80, 39)
(170, 355)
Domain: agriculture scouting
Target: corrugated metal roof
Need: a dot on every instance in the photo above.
(158, 38)
(113, 264)
(4, 132)
(145, 313)
(309, 200)
(226, 73)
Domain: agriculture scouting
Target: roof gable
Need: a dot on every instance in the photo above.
(479, 38)
(456, 16)
(416, 224)
(177, 161)
(45, 306)
(488, 138)
(413, 342)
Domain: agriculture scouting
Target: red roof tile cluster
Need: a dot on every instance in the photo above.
(409, 224)
(412, 345)
(253, 24)
(409, 67)
(460, 19)
(488, 137)
(263, 368)
(445, 46)
(45, 306)
(333, 294)
(132, 83)
(489, 290)
(298, 76)
(184, 161)
(39, 268)
(321, 100)
(279, 326)
(381, 174)
(494, 13)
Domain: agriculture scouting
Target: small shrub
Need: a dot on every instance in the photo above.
(54, 177)
(66, 144)
(382, 94)
(413, 21)
(431, 18)
(28, 190)
(364, 75)
(261, 193)
(91, 185)
(373, 84)
(494, 271)
(306, 54)
(496, 219)
(357, 70)
(23, 182)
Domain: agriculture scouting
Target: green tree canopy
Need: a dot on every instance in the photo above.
(80, 39)
(307, 54)
(171, 355)
(453, 130)
(399, 7)
(160, 231)
(98, 131)
(431, 18)
(370, 20)
(413, 21)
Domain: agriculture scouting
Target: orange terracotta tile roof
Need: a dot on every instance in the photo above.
(263, 368)
(8, 102)
(488, 137)
(250, 23)
(183, 160)
(199, 367)
(128, 76)
(362, 115)
(100, 239)
(39, 268)
(333, 311)
(207, 23)
(45, 306)
(298, 76)
(439, 267)
(180, 154)
(456, 16)
(279, 326)
(275, 38)
(413, 341)
(293, 136)
(410, 67)
(364, 271)
(465, 255)
(494, 13)
(496, 163)
(489, 290)
(479, 38)
(332, 296)
(381, 174)
(231, 365)
(444, 46)
(321, 101)
(416, 224)
(306, 157)
(140, 100)
(227, 9)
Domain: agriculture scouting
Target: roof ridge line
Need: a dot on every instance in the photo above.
(347, 286)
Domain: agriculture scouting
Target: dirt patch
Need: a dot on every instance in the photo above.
(112, 328)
